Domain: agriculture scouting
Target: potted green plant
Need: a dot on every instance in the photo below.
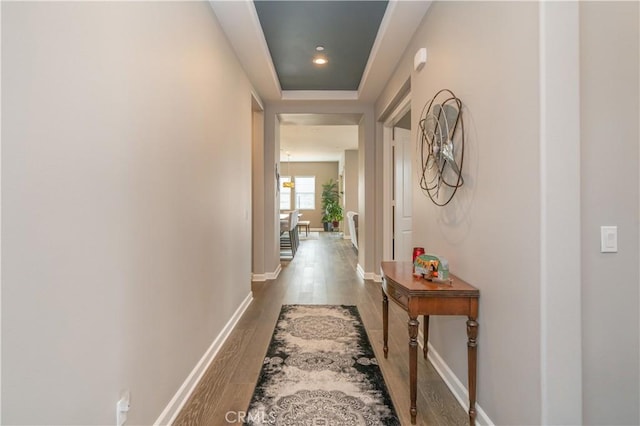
(335, 214)
(326, 223)
(330, 197)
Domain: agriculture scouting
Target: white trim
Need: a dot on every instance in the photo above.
(560, 232)
(543, 208)
(360, 271)
(398, 111)
(387, 190)
(403, 106)
(273, 275)
(0, 225)
(172, 410)
(266, 276)
(258, 101)
(258, 277)
(377, 278)
(365, 275)
(453, 383)
(319, 95)
(401, 93)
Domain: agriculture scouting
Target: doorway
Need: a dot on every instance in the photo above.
(398, 196)
(402, 200)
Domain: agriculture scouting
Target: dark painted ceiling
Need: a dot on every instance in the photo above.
(346, 29)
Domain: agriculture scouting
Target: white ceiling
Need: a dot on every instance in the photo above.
(317, 137)
(316, 143)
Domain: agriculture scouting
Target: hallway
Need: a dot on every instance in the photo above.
(322, 272)
(140, 168)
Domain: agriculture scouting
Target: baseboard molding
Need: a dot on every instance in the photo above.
(377, 278)
(258, 277)
(453, 383)
(266, 276)
(365, 275)
(172, 410)
(360, 271)
(273, 275)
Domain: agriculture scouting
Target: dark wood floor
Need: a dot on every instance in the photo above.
(322, 272)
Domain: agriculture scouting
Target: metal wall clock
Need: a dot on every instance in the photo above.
(441, 147)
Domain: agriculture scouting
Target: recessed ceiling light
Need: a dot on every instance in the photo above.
(320, 60)
(319, 48)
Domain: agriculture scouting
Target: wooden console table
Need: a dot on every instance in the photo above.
(418, 296)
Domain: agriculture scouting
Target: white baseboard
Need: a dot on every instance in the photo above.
(258, 277)
(360, 271)
(267, 276)
(172, 410)
(273, 275)
(453, 383)
(365, 275)
(377, 278)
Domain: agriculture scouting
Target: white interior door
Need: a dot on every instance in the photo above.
(402, 191)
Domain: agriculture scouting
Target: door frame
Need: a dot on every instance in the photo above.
(402, 107)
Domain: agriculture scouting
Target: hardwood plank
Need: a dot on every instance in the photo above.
(233, 405)
(442, 404)
(322, 272)
(206, 395)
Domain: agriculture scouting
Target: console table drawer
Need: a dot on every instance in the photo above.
(399, 297)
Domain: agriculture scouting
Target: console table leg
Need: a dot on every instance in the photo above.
(385, 323)
(472, 346)
(413, 366)
(425, 332)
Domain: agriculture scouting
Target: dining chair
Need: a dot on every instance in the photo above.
(289, 233)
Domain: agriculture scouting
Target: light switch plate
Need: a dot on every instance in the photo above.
(608, 239)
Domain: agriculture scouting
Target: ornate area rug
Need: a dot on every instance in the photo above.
(320, 369)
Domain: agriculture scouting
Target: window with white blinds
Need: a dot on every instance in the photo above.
(285, 194)
(305, 192)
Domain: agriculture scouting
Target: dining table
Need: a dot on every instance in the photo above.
(285, 216)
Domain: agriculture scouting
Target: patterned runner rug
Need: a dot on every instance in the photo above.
(320, 369)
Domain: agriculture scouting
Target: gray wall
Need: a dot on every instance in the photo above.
(257, 190)
(492, 232)
(609, 127)
(491, 63)
(124, 239)
(367, 197)
(323, 171)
